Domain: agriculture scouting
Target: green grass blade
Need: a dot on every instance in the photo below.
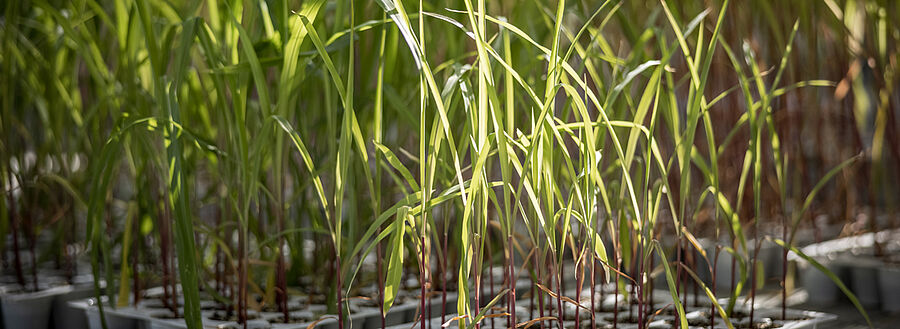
(815, 190)
(710, 296)
(395, 259)
(188, 265)
(486, 308)
(397, 165)
(397, 13)
(830, 275)
(670, 280)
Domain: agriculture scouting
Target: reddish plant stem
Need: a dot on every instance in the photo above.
(379, 259)
(228, 275)
(650, 282)
(428, 280)
(512, 282)
(712, 308)
(281, 291)
(540, 296)
(684, 278)
(678, 279)
(593, 293)
(444, 278)
(231, 283)
(784, 269)
(550, 282)
(281, 296)
(753, 276)
(491, 275)
(578, 282)
(422, 280)
(242, 290)
(478, 290)
(632, 288)
(507, 279)
(557, 273)
(531, 299)
(560, 287)
(640, 286)
(733, 264)
(616, 298)
(242, 281)
(217, 269)
(340, 293)
(600, 291)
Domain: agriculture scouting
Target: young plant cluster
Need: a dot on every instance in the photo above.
(257, 153)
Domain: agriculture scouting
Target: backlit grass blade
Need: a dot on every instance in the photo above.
(397, 165)
(289, 80)
(307, 161)
(581, 83)
(670, 280)
(395, 258)
(710, 296)
(397, 13)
